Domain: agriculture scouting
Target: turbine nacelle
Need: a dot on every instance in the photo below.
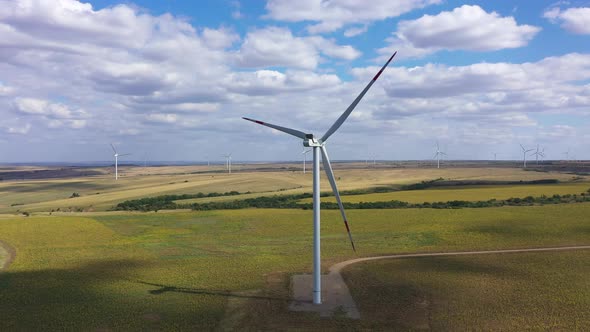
(311, 141)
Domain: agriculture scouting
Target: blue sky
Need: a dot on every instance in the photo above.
(172, 78)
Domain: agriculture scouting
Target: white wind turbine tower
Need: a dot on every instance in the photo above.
(538, 154)
(438, 154)
(117, 155)
(304, 153)
(228, 162)
(318, 146)
(524, 152)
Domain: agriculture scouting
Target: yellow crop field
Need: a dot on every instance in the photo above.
(466, 193)
(99, 193)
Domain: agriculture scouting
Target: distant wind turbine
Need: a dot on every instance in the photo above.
(228, 162)
(538, 154)
(438, 154)
(304, 153)
(117, 155)
(318, 146)
(524, 152)
(567, 154)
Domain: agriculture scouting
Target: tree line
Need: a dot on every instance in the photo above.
(293, 202)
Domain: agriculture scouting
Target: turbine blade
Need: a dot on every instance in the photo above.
(330, 174)
(350, 108)
(113, 147)
(125, 154)
(290, 131)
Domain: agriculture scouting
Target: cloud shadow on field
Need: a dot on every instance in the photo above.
(401, 293)
(459, 265)
(93, 296)
(513, 230)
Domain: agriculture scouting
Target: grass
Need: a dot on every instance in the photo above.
(501, 292)
(186, 270)
(467, 193)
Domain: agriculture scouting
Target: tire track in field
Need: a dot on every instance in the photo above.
(11, 254)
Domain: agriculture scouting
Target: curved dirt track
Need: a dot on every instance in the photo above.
(335, 293)
(336, 268)
(10, 255)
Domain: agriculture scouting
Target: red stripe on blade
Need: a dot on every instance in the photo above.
(377, 76)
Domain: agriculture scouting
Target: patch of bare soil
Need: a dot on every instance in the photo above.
(7, 255)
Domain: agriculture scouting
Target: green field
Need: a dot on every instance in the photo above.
(132, 271)
(466, 193)
(501, 292)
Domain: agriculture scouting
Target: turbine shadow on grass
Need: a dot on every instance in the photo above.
(200, 291)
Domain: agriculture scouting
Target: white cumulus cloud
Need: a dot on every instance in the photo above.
(275, 46)
(333, 15)
(464, 28)
(574, 20)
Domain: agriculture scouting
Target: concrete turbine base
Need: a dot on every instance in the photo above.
(336, 298)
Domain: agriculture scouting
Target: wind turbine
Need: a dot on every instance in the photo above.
(228, 162)
(117, 155)
(538, 154)
(524, 152)
(567, 154)
(438, 154)
(318, 146)
(304, 153)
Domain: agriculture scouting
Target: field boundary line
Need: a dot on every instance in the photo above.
(336, 268)
(11, 255)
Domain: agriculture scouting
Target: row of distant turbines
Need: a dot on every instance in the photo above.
(116, 154)
(438, 156)
(538, 153)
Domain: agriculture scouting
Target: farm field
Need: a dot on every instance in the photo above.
(503, 292)
(86, 268)
(100, 193)
(230, 269)
(466, 193)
